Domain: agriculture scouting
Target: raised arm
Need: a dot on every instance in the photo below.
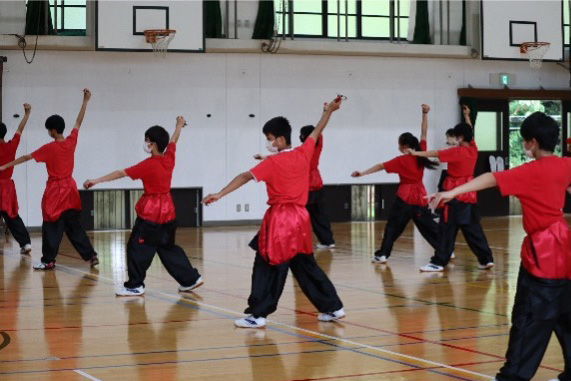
(86, 97)
(424, 125)
(236, 183)
(20, 160)
(115, 175)
(328, 109)
(466, 113)
(180, 123)
(373, 169)
(27, 110)
(485, 181)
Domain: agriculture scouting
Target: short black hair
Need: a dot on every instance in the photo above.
(450, 132)
(542, 128)
(55, 122)
(159, 136)
(3, 130)
(464, 130)
(278, 126)
(305, 131)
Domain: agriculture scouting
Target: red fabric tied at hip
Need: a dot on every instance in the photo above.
(412, 193)
(156, 207)
(60, 195)
(547, 253)
(454, 182)
(8, 197)
(285, 232)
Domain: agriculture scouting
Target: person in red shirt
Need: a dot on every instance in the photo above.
(8, 196)
(284, 240)
(155, 227)
(543, 292)
(316, 199)
(461, 213)
(61, 204)
(410, 202)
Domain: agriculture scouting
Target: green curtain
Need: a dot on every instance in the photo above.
(463, 30)
(471, 103)
(212, 19)
(264, 27)
(36, 18)
(422, 24)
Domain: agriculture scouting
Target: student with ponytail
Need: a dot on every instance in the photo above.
(410, 202)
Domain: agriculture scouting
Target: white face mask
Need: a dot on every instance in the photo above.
(147, 147)
(528, 153)
(270, 147)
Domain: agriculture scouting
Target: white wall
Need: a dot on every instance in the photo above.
(132, 91)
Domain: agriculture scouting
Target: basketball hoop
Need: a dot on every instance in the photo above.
(535, 51)
(159, 39)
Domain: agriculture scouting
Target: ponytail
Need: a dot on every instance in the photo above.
(408, 139)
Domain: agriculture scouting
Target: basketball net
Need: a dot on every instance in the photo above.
(535, 51)
(159, 40)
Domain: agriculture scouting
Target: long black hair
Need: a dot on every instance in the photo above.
(408, 139)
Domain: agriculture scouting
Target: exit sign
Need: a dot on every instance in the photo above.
(502, 79)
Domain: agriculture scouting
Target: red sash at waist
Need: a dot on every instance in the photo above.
(547, 253)
(412, 193)
(156, 207)
(452, 182)
(285, 232)
(60, 195)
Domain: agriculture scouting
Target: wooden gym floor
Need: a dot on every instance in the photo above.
(67, 324)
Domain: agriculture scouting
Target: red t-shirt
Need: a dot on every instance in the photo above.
(156, 204)
(8, 154)
(315, 180)
(59, 156)
(540, 186)
(461, 163)
(411, 190)
(287, 174)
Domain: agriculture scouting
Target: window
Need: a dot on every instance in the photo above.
(71, 17)
(566, 28)
(356, 19)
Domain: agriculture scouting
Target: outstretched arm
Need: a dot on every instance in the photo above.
(424, 125)
(86, 98)
(236, 183)
(466, 113)
(328, 109)
(27, 110)
(485, 181)
(20, 160)
(115, 175)
(373, 169)
(422, 153)
(180, 123)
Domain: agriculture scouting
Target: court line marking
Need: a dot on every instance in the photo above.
(86, 375)
(294, 328)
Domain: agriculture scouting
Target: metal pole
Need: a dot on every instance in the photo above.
(236, 19)
(346, 20)
(227, 19)
(284, 7)
(441, 13)
(291, 31)
(338, 20)
(391, 20)
(448, 22)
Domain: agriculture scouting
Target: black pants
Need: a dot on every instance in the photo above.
(465, 217)
(17, 228)
(52, 234)
(541, 307)
(443, 176)
(401, 213)
(148, 238)
(268, 283)
(319, 220)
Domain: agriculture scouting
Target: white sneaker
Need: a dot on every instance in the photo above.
(322, 246)
(130, 291)
(331, 316)
(453, 256)
(431, 268)
(250, 322)
(44, 266)
(381, 259)
(199, 282)
(27, 249)
(487, 266)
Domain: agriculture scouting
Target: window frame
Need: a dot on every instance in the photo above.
(61, 16)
